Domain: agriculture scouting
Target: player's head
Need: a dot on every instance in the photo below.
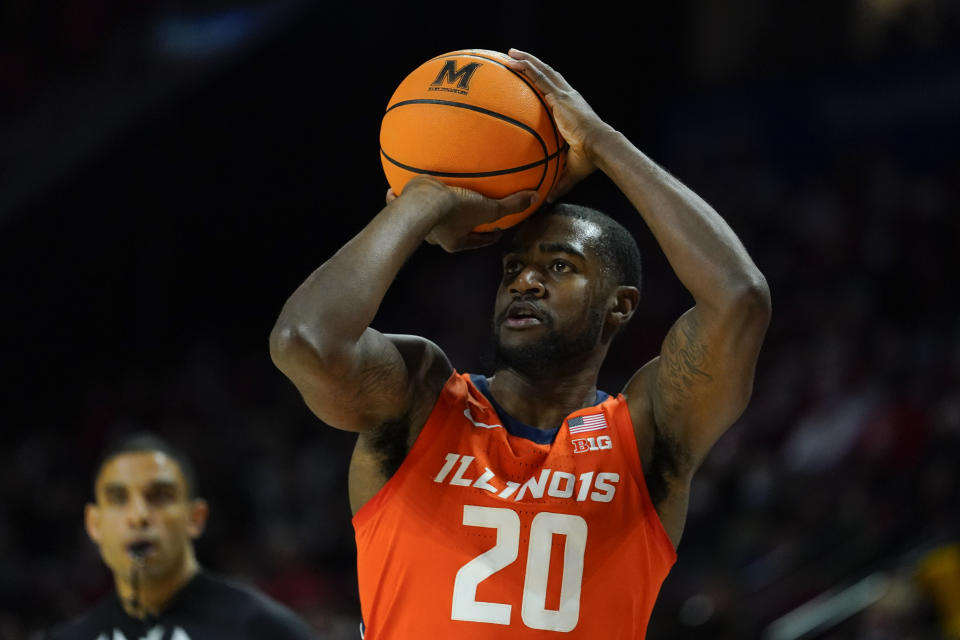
(145, 503)
(570, 282)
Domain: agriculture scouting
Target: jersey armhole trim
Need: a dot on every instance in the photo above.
(632, 457)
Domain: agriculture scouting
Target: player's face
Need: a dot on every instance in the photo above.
(547, 307)
(143, 504)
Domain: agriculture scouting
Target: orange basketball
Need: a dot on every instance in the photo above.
(469, 120)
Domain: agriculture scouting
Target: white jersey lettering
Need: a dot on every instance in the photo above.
(589, 485)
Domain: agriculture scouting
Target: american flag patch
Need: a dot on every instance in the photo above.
(581, 424)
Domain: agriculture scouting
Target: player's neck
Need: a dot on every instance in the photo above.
(544, 402)
(148, 595)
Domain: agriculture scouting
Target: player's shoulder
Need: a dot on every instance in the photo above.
(419, 353)
(88, 624)
(255, 611)
(427, 365)
(79, 627)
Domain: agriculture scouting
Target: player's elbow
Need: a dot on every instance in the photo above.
(292, 348)
(285, 342)
(750, 302)
(283, 339)
(756, 295)
(302, 353)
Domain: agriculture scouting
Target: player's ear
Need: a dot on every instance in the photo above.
(197, 518)
(91, 521)
(623, 302)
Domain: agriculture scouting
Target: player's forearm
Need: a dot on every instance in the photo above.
(332, 308)
(703, 250)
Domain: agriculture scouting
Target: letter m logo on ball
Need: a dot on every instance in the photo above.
(449, 74)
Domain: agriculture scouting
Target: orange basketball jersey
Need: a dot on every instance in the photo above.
(494, 529)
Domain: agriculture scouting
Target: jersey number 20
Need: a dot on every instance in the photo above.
(533, 609)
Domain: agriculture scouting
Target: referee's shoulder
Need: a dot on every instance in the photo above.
(262, 616)
(85, 625)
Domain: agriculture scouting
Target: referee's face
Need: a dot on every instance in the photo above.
(143, 509)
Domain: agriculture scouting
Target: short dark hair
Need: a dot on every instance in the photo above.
(616, 246)
(144, 441)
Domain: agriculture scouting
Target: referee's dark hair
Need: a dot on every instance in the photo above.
(145, 441)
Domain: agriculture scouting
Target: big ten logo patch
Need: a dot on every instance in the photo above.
(599, 443)
(453, 79)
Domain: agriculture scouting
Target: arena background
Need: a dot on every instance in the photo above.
(170, 171)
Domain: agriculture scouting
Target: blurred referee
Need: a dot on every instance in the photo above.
(145, 519)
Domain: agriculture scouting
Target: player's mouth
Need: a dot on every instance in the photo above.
(522, 315)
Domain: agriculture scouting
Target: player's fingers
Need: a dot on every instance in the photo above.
(537, 70)
(564, 184)
(472, 240)
(391, 196)
(475, 240)
(516, 202)
(536, 76)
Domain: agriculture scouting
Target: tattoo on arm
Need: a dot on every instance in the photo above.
(682, 362)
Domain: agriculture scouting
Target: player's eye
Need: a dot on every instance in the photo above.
(561, 266)
(511, 267)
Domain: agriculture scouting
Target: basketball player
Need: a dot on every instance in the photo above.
(145, 519)
(528, 504)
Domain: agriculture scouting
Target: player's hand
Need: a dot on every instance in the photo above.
(576, 120)
(464, 211)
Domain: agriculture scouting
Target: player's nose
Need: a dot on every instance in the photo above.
(528, 281)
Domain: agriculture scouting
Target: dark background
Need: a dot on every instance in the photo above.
(170, 171)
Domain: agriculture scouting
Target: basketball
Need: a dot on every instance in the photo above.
(467, 119)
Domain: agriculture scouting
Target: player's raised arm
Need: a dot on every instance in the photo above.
(703, 378)
(351, 376)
